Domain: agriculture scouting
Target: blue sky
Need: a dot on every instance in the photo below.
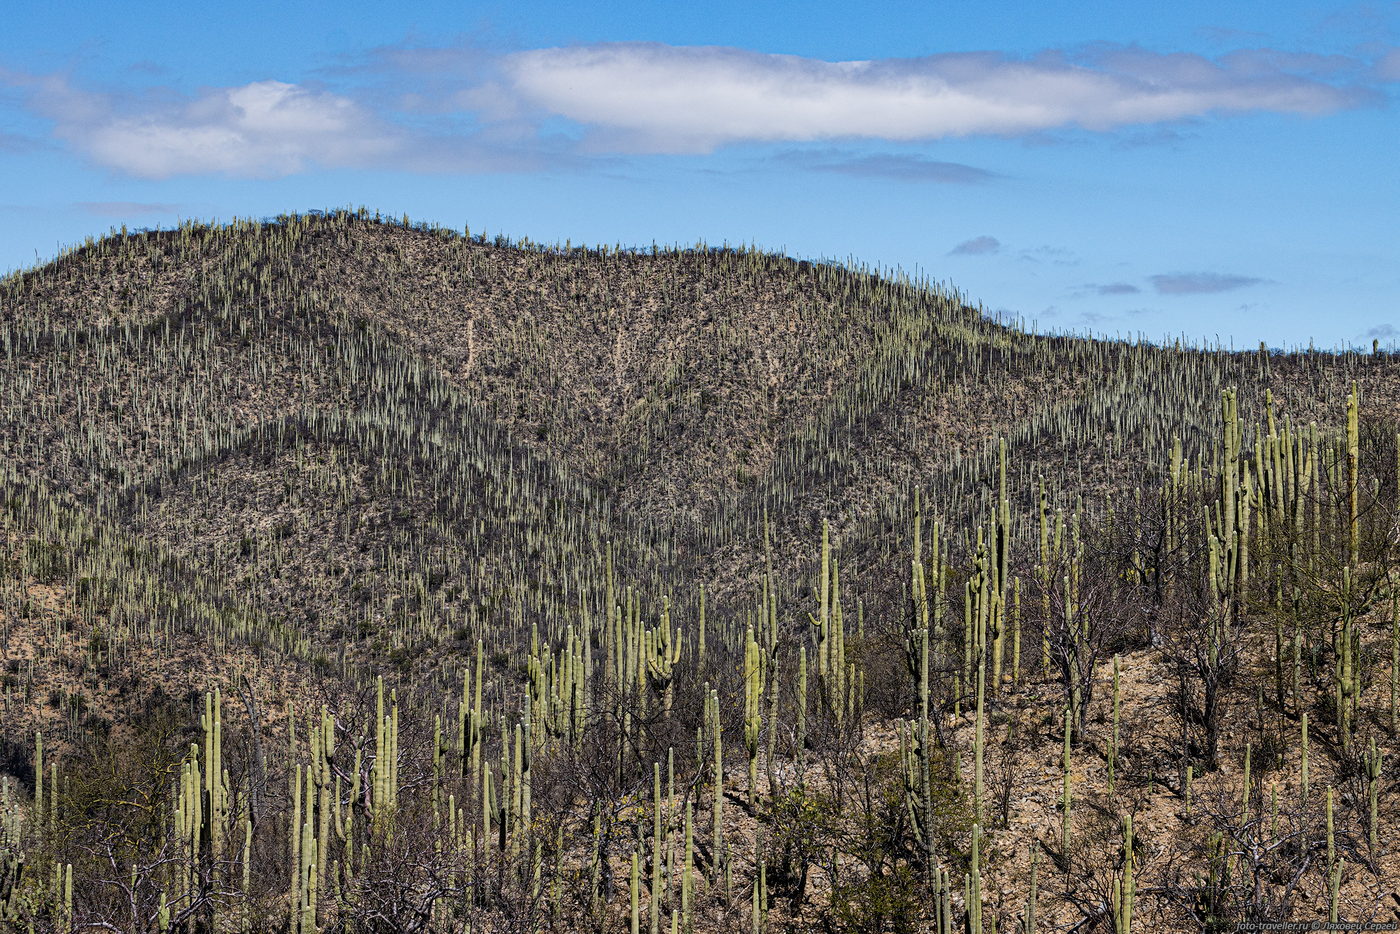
(1165, 169)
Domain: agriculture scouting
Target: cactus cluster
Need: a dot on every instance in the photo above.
(452, 626)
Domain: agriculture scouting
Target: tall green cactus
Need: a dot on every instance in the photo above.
(656, 849)
(835, 676)
(1334, 892)
(1353, 479)
(1347, 678)
(1395, 652)
(1373, 788)
(1303, 727)
(687, 872)
(1113, 736)
(753, 700)
(1124, 887)
(635, 889)
(974, 883)
(1066, 793)
(1331, 833)
(717, 842)
(978, 744)
(39, 782)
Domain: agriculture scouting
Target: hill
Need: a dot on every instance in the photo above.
(369, 576)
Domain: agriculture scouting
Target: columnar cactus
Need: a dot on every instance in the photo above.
(837, 679)
(687, 881)
(978, 742)
(717, 808)
(973, 895)
(1247, 792)
(657, 843)
(1124, 888)
(753, 698)
(1353, 479)
(636, 893)
(1395, 659)
(1334, 891)
(1373, 783)
(1066, 792)
(1347, 678)
(1113, 736)
(1303, 726)
(1331, 834)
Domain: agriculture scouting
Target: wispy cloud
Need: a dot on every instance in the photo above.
(663, 98)
(1090, 321)
(1116, 288)
(262, 129)
(1056, 255)
(1227, 35)
(15, 143)
(266, 128)
(1388, 67)
(977, 246)
(903, 167)
(1158, 136)
(259, 130)
(1200, 283)
(472, 109)
(129, 208)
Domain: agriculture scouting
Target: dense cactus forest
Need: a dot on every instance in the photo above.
(368, 576)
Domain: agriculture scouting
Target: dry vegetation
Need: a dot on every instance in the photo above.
(363, 576)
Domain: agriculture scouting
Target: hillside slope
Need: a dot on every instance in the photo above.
(634, 501)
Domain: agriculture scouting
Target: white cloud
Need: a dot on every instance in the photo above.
(1388, 68)
(904, 167)
(125, 209)
(462, 110)
(14, 142)
(654, 97)
(267, 128)
(977, 246)
(1200, 283)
